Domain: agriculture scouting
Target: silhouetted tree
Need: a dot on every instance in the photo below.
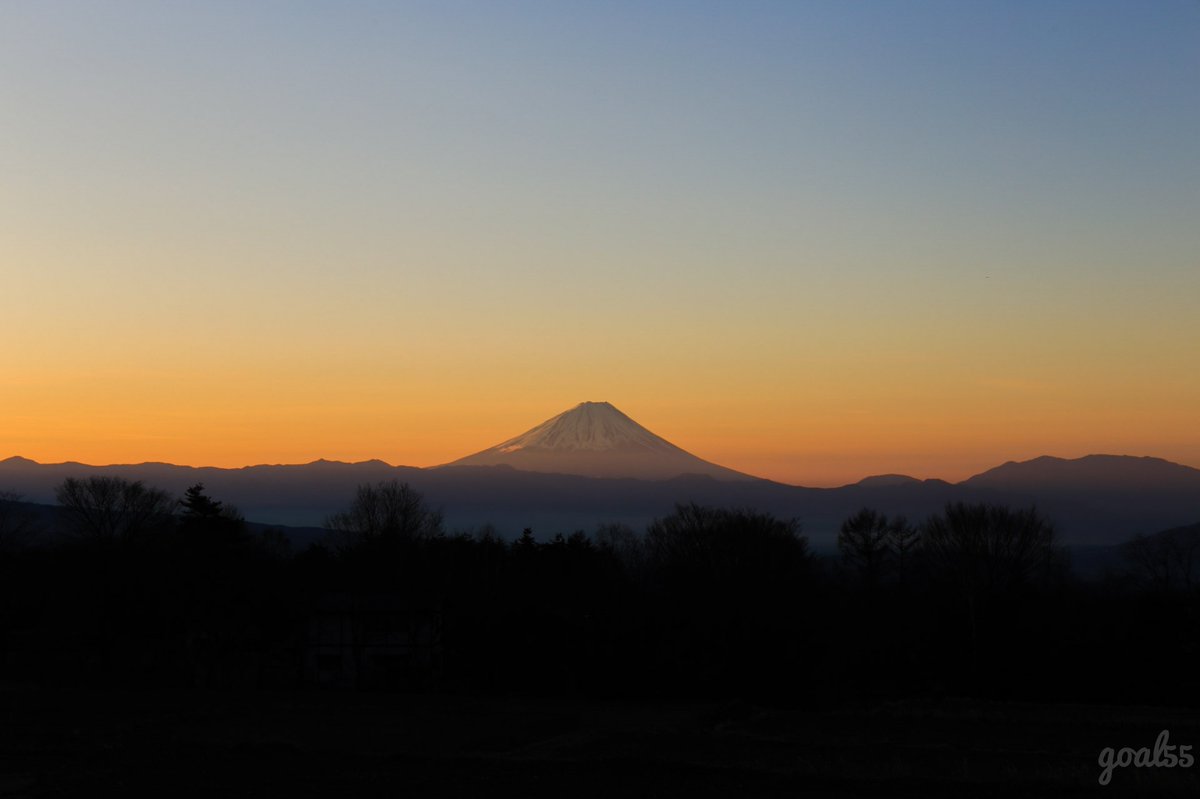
(864, 541)
(727, 584)
(383, 514)
(486, 534)
(622, 541)
(198, 505)
(17, 526)
(734, 552)
(526, 543)
(274, 543)
(990, 548)
(989, 554)
(579, 541)
(904, 541)
(106, 509)
(208, 523)
(1166, 561)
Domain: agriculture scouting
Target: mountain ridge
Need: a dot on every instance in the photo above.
(1118, 472)
(981, 479)
(303, 495)
(592, 465)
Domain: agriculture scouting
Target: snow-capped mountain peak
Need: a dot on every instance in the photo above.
(597, 440)
(594, 426)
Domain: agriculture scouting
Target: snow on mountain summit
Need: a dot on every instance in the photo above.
(593, 426)
(595, 439)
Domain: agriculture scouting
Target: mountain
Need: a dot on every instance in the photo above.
(1092, 497)
(1123, 473)
(881, 480)
(1089, 505)
(594, 439)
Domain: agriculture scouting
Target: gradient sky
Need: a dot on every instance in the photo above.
(810, 241)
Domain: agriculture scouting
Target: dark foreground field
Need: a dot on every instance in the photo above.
(713, 655)
(353, 744)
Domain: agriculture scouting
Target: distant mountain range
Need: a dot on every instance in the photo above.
(1095, 500)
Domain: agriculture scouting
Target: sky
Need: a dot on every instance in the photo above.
(811, 241)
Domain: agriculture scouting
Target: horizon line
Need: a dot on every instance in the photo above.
(321, 460)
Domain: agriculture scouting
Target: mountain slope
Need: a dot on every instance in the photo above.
(594, 439)
(305, 494)
(1123, 473)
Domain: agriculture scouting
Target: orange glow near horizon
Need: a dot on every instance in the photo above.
(801, 398)
(814, 440)
(231, 236)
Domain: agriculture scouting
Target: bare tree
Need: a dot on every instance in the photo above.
(387, 512)
(989, 548)
(987, 552)
(1167, 561)
(726, 547)
(106, 509)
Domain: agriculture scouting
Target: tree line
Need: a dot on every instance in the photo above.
(135, 587)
